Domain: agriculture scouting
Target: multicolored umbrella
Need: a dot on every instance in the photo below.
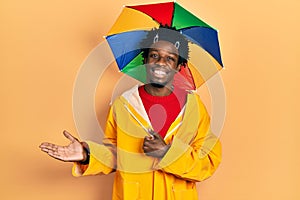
(132, 26)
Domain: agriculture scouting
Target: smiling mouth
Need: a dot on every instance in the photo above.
(159, 72)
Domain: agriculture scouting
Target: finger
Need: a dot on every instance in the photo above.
(69, 136)
(146, 149)
(44, 144)
(45, 150)
(147, 143)
(157, 135)
(48, 151)
(54, 152)
(159, 139)
(150, 131)
(148, 138)
(48, 146)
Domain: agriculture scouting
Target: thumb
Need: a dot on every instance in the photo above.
(157, 136)
(153, 133)
(69, 136)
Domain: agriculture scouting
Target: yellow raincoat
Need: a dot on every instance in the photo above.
(194, 155)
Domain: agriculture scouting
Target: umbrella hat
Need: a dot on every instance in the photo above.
(135, 22)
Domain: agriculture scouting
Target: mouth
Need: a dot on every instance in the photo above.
(159, 72)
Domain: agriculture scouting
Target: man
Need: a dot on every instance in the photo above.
(157, 136)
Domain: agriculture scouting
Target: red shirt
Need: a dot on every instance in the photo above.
(163, 110)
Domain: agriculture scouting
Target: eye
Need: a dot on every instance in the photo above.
(153, 55)
(170, 58)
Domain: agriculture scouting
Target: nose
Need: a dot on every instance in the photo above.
(161, 61)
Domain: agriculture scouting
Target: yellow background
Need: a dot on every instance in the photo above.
(43, 44)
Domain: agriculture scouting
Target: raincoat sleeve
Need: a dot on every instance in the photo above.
(197, 158)
(102, 156)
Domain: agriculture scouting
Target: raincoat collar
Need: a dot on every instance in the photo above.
(133, 98)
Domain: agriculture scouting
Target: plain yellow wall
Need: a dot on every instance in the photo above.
(43, 44)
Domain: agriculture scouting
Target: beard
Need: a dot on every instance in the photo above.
(158, 85)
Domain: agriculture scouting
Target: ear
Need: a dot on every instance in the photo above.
(178, 67)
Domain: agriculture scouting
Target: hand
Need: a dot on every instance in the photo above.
(74, 152)
(155, 146)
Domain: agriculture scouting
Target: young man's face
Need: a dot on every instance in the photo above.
(162, 63)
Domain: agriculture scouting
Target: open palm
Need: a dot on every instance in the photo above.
(73, 152)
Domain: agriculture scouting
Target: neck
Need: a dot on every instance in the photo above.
(158, 91)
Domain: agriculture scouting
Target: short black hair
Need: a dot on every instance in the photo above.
(169, 34)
